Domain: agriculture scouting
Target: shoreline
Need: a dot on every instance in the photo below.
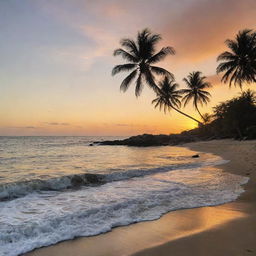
(194, 231)
(238, 235)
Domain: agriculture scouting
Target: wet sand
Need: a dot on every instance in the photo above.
(228, 229)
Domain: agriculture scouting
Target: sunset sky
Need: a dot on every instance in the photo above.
(56, 60)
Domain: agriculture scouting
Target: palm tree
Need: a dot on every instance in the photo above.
(195, 90)
(239, 64)
(141, 56)
(168, 97)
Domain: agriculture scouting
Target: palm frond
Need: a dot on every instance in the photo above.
(127, 81)
(187, 98)
(225, 66)
(154, 39)
(187, 82)
(150, 79)
(124, 67)
(232, 45)
(226, 56)
(161, 54)
(139, 85)
(126, 55)
(161, 71)
(130, 45)
(205, 93)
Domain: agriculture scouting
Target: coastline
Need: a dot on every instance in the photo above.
(228, 229)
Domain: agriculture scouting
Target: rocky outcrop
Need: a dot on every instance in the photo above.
(147, 140)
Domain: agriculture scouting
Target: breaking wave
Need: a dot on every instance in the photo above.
(21, 188)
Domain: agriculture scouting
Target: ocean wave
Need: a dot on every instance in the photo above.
(21, 188)
(38, 220)
(13, 190)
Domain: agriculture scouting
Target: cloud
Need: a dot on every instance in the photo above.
(56, 123)
(131, 125)
(199, 31)
(22, 127)
(83, 57)
(92, 21)
(196, 28)
(103, 39)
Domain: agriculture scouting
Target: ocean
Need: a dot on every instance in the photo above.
(57, 188)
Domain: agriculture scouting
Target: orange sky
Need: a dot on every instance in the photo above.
(56, 75)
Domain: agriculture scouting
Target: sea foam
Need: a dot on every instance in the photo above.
(47, 217)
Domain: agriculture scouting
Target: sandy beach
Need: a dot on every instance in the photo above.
(228, 229)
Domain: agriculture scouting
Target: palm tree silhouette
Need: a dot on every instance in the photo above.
(168, 97)
(141, 55)
(239, 64)
(195, 92)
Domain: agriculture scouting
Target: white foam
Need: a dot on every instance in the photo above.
(41, 219)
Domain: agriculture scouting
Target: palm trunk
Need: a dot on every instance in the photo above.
(199, 112)
(187, 115)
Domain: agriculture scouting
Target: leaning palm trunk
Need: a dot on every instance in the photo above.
(176, 109)
(169, 97)
(199, 112)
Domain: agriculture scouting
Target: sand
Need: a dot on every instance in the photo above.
(228, 229)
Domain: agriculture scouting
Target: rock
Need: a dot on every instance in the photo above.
(92, 178)
(195, 156)
(77, 181)
(91, 144)
(149, 140)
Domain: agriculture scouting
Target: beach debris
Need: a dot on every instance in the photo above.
(195, 156)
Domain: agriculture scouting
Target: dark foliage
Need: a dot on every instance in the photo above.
(235, 118)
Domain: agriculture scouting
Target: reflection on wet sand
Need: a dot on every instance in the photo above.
(130, 239)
